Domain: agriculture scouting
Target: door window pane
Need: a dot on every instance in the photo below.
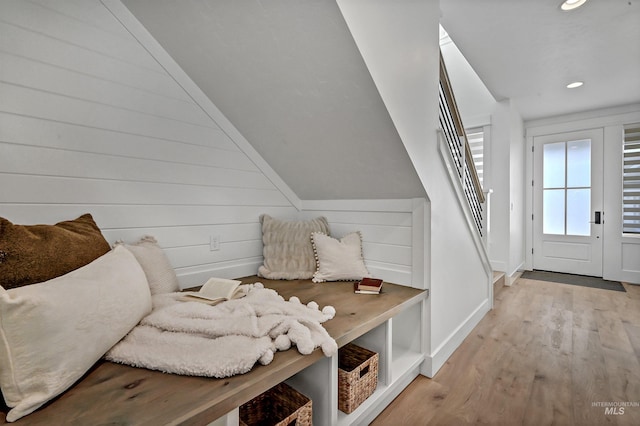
(579, 164)
(553, 211)
(553, 164)
(578, 212)
(566, 203)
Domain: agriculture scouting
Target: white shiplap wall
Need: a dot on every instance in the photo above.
(390, 236)
(95, 117)
(91, 122)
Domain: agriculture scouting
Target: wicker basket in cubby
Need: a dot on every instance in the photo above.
(279, 406)
(357, 376)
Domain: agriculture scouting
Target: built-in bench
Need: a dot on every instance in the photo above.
(116, 394)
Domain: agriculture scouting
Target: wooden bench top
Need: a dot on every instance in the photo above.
(118, 394)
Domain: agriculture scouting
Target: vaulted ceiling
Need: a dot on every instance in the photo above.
(289, 76)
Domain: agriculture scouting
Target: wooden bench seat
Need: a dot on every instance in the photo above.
(117, 394)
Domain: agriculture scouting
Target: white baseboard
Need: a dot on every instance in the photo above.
(436, 360)
(512, 278)
(514, 275)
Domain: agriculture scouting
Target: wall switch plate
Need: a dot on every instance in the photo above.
(214, 243)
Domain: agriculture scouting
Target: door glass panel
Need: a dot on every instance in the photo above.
(566, 198)
(578, 211)
(553, 163)
(553, 211)
(579, 164)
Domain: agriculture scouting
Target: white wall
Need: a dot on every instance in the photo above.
(399, 43)
(90, 122)
(506, 177)
(516, 195)
(498, 178)
(389, 233)
(621, 253)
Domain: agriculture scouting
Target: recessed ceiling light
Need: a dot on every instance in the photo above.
(572, 4)
(574, 84)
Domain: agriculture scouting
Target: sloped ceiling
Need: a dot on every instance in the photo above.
(474, 100)
(289, 76)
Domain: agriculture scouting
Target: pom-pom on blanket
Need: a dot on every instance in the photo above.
(196, 339)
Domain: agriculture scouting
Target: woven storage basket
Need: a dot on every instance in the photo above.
(357, 376)
(281, 405)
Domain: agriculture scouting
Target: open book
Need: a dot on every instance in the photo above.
(216, 290)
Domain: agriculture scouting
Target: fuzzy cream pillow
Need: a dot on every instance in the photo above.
(338, 260)
(155, 264)
(52, 333)
(287, 250)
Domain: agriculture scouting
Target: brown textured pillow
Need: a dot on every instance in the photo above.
(288, 253)
(31, 254)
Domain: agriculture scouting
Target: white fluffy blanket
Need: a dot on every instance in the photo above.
(193, 338)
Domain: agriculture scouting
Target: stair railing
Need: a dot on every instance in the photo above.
(456, 139)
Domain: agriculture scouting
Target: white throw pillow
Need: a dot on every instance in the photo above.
(338, 260)
(287, 249)
(155, 264)
(51, 333)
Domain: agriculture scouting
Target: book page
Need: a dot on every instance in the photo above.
(216, 290)
(366, 292)
(219, 287)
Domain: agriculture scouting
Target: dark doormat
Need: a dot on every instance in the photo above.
(572, 279)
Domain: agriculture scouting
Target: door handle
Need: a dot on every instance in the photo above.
(598, 218)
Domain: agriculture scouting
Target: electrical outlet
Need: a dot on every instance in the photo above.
(214, 243)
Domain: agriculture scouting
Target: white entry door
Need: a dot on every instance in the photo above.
(567, 204)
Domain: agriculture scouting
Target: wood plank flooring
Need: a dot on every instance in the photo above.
(547, 354)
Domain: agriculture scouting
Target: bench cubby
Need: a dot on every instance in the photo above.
(390, 324)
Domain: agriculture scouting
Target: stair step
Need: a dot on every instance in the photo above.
(499, 281)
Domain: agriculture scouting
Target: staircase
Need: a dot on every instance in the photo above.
(456, 139)
(457, 156)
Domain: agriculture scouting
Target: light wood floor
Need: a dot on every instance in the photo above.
(544, 355)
